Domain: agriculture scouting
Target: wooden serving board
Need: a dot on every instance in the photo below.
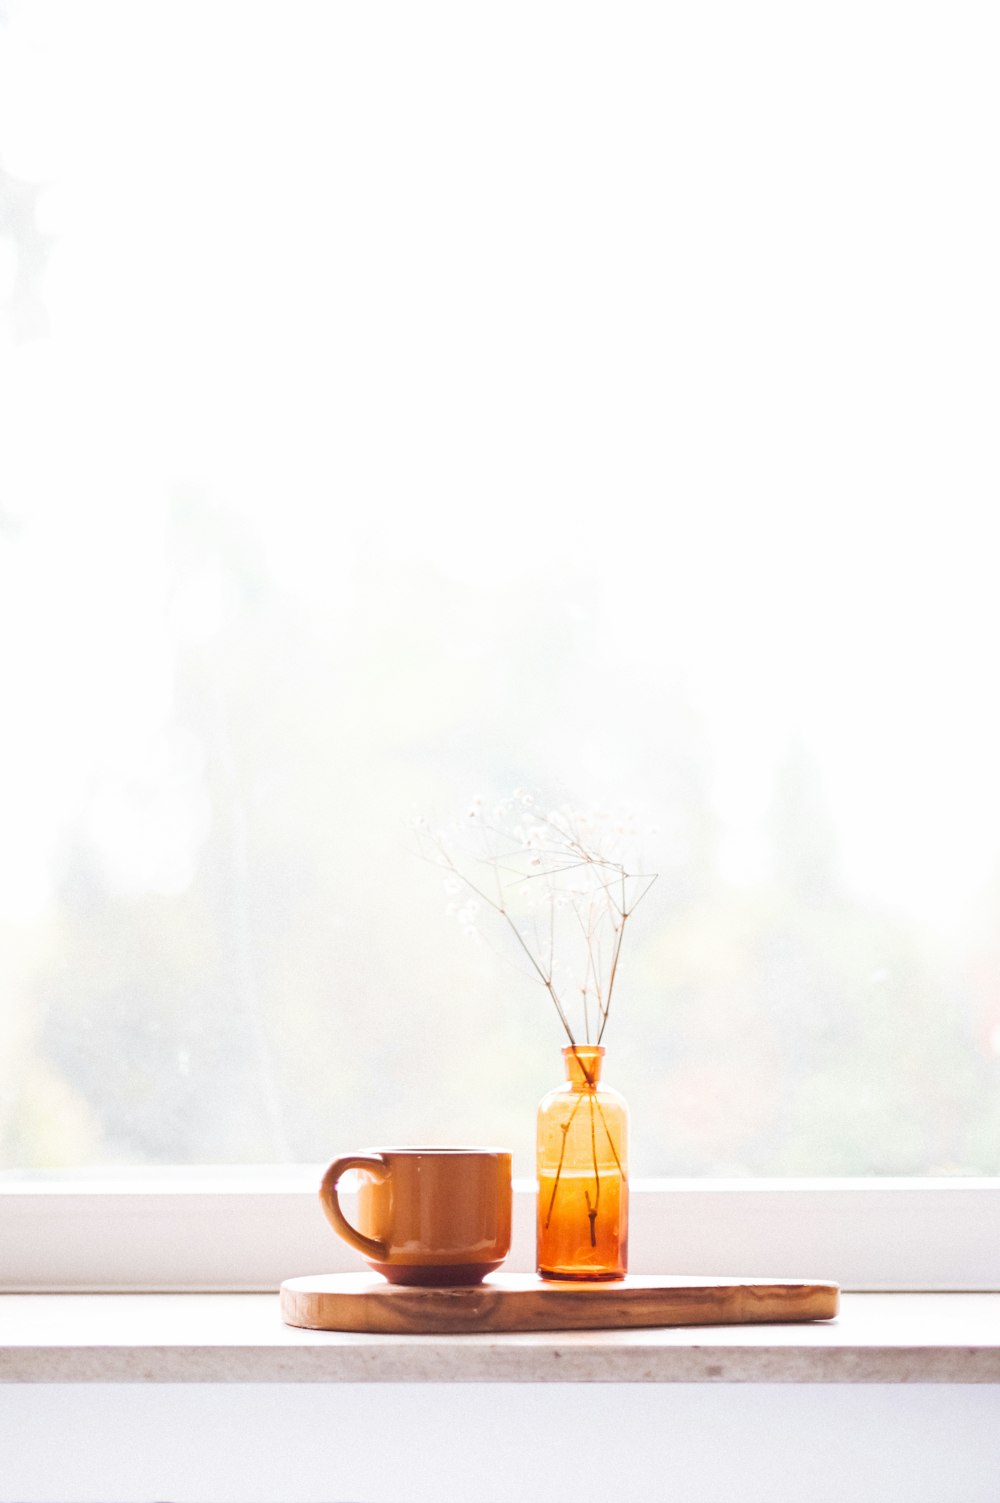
(520, 1302)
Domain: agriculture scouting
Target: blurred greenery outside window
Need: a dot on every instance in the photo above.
(393, 416)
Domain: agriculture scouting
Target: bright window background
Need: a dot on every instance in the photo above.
(404, 402)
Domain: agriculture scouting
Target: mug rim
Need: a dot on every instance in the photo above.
(443, 1149)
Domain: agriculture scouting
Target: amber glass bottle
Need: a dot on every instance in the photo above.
(583, 1174)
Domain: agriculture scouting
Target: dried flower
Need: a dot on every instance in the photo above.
(561, 886)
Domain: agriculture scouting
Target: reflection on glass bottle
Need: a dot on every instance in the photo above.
(582, 1174)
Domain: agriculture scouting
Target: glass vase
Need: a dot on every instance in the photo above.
(582, 1167)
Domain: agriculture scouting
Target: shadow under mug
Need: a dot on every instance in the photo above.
(434, 1216)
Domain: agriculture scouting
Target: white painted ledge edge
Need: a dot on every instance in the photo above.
(208, 1231)
(204, 1338)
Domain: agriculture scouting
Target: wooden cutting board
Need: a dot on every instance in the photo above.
(520, 1302)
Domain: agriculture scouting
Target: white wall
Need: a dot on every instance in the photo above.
(514, 1443)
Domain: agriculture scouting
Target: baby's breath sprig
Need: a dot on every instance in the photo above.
(560, 883)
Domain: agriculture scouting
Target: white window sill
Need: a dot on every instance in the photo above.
(209, 1398)
(240, 1338)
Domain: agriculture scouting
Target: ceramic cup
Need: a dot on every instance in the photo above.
(426, 1215)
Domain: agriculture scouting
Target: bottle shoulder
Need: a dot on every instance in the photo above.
(564, 1095)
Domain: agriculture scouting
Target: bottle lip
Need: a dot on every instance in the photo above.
(570, 1050)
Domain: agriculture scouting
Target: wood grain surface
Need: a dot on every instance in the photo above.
(520, 1302)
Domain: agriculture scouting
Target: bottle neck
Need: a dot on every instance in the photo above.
(583, 1065)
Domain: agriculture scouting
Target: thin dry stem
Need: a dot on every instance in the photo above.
(564, 1128)
(593, 886)
(592, 1210)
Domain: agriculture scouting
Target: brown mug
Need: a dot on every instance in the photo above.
(426, 1215)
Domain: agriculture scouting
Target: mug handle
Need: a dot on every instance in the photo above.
(370, 1163)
